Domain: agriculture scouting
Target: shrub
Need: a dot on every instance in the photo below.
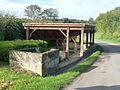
(6, 46)
(108, 24)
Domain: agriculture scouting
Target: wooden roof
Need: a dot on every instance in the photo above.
(57, 26)
(53, 30)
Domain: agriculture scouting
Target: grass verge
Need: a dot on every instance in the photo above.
(117, 41)
(17, 81)
(107, 38)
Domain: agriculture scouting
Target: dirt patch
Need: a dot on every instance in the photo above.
(5, 85)
(23, 71)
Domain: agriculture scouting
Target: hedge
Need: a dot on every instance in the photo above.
(6, 46)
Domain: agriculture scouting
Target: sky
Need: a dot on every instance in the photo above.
(76, 9)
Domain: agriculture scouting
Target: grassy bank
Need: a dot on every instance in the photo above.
(18, 81)
(107, 38)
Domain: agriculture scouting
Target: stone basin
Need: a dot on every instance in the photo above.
(33, 60)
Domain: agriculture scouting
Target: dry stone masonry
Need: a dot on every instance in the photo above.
(31, 59)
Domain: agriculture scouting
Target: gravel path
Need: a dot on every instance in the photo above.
(104, 74)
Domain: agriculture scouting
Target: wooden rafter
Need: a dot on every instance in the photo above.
(32, 33)
(56, 24)
(63, 33)
(75, 43)
(52, 28)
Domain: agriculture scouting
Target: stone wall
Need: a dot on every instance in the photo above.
(39, 63)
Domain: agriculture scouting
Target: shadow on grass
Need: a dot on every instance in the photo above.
(3, 64)
(116, 87)
(85, 66)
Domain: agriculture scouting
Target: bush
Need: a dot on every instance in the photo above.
(6, 46)
(11, 28)
(108, 24)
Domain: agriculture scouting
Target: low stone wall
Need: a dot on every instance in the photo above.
(39, 63)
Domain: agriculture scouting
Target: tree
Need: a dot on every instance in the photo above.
(108, 24)
(33, 12)
(65, 20)
(91, 21)
(2, 26)
(50, 13)
(10, 28)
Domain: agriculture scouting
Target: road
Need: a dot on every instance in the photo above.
(104, 74)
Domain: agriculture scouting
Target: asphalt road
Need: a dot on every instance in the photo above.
(104, 74)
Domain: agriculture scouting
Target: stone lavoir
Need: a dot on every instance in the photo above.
(51, 61)
(42, 64)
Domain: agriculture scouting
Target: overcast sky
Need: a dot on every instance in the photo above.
(78, 9)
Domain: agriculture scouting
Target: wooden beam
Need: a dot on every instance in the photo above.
(63, 44)
(75, 44)
(57, 43)
(79, 39)
(67, 43)
(32, 33)
(90, 39)
(93, 38)
(52, 28)
(87, 39)
(63, 33)
(81, 42)
(56, 24)
(27, 33)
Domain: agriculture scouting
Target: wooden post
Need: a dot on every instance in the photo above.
(81, 42)
(86, 39)
(90, 38)
(75, 49)
(80, 39)
(75, 44)
(57, 43)
(63, 45)
(93, 37)
(27, 33)
(67, 44)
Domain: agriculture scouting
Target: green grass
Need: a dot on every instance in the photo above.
(112, 40)
(26, 82)
(106, 38)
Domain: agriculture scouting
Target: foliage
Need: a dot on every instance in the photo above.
(50, 13)
(33, 12)
(27, 82)
(6, 46)
(22, 33)
(10, 27)
(91, 21)
(65, 20)
(2, 26)
(108, 24)
(112, 40)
